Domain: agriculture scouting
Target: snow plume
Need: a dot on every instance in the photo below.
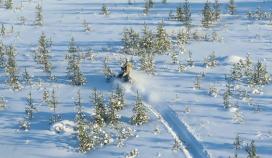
(146, 85)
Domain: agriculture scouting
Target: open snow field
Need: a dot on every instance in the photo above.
(199, 120)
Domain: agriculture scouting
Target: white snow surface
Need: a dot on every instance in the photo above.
(204, 127)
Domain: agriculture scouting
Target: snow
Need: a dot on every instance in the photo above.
(65, 126)
(231, 59)
(199, 121)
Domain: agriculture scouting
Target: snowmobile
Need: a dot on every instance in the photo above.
(124, 75)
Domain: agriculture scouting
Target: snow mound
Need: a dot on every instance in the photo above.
(65, 127)
(231, 59)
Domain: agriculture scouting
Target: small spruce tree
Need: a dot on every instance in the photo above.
(80, 116)
(53, 104)
(140, 115)
(42, 54)
(251, 150)
(39, 15)
(100, 109)
(26, 77)
(9, 4)
(11, 68)
(231, 7)
(207, 15)
(30, 108)
(2, 55)
(73, 68)
(162, 39)
(260, 75)
(3, 30)
(105, 10)
(86, 143)
(130, 41)
(147, 41)
(217, 10)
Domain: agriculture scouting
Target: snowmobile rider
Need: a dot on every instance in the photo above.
(125, 71)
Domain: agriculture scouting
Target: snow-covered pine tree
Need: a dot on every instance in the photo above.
(30, 108)
(174, 57)
(197, 82)
(182, 67)
(132, 154)
(3, 30)
(237, 145)
(108, 73)
(146, 7)
(53, 104)
(190, 61)
(237, 71)
(147, 41)
(147, 63)
(130, 41)
(78, 78)
(113, 117)
(217, 10)
(24, 124)
(183, 37)
(227, 95)
(211, 60)
(231, 7)
(162, 39)
(86, 26)
(260, 75)
(11, 68)
(3, 103)
(8, 4)
(248, 66)
(46, 96)
(105, 10)
(118, 96)
(73, 68)
(26, 77)
(80, 116)
(86, 143)
(183, 14)
(100, 109)
(150, 3)
(251, 150)
(207, 15)
(42, 54)
(140, 113)
(72, 54)
(123, 133)
(237, 142)
(2, 55)
(39, 15)
(101, 136)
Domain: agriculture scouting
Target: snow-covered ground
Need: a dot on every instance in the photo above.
(199, 120)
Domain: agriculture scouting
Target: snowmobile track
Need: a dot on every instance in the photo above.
(190, 146)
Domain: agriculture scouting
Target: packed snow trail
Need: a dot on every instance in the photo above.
(190, 146)
(170, 130)
(195, 148)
